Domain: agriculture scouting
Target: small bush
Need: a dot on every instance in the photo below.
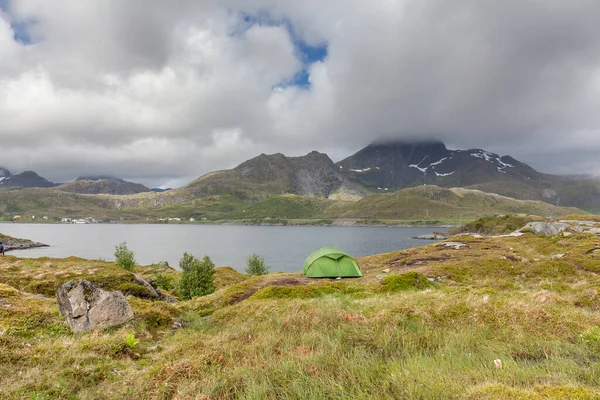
(125, 257)
(408, 281)
(256, 265)
(197, 278)
(164, 282)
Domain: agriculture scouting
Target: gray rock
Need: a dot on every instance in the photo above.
(431, 236)
(456, 245)
(151, 290)
(595, 231)
(177, 325)
(163, 265)
(169, 299)
(546, 228)
(87, 307)
(578, 222)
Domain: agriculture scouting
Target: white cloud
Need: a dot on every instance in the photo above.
(155, 90)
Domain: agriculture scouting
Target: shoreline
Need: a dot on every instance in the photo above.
(342, 223)
(11, 243)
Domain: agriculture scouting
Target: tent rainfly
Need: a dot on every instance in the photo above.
(330, 262)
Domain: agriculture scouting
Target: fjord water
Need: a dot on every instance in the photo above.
(284, 248)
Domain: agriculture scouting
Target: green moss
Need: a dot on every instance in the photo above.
(8, 291)
(306, 292)
(551, 268)
(566, 393)
(46, 288)
(133, 289)
(502, 392)
(153, 314)
(408, 281)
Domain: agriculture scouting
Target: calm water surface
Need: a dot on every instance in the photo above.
(284, 248)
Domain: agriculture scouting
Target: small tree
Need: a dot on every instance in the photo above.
(125, 257)
(197, 278)
(256, 265)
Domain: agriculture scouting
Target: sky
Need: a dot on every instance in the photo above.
(161, 92)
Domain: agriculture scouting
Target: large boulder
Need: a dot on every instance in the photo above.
(546, 228)
(87, 307)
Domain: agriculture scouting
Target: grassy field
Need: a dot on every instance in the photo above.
(283, 336)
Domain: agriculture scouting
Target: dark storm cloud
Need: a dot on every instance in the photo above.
(156, 90)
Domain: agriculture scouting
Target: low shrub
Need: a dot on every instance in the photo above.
(197, 278)
(256, 266)
(125, 257)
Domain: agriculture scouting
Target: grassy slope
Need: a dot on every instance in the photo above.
(103, 186)
(582, 193)
(418, 203)
(283, 336)
(434, 202)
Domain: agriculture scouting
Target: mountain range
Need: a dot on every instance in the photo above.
(379, 169)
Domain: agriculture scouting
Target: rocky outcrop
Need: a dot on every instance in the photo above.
(86, 307)
(431, 236)
(152, 291)
(546, 228)
(11, 243)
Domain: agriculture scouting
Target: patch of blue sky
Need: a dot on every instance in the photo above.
(20, 28)
(306, 53)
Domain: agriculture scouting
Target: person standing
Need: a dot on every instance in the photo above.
(1, 248)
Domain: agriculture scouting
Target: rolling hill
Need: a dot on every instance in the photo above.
(103, 185)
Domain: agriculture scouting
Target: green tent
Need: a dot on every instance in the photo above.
(330, 262)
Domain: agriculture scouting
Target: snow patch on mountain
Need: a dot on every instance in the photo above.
(448, 174)
(432, 166)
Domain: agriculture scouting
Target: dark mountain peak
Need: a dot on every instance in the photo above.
(29, 174)
(395, 155)
(311, 158)
(26, 179)
(385, 165)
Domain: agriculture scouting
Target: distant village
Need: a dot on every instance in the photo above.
(90, 220)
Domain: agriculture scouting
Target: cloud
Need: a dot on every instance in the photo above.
(163, 92)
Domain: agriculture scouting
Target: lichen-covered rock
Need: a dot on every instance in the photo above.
(546, 228)
(87, 307)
